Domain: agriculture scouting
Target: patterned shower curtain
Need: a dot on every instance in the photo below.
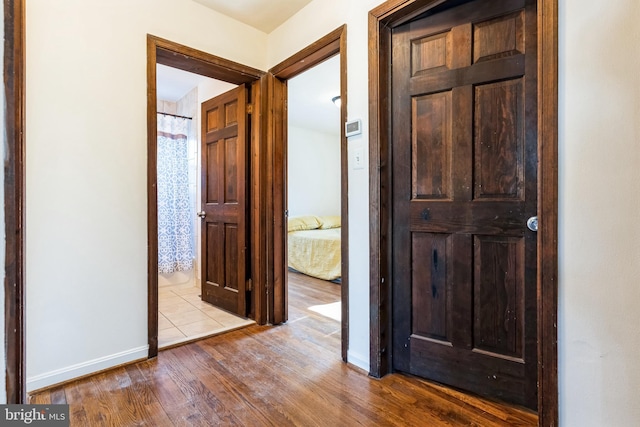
(175, 244)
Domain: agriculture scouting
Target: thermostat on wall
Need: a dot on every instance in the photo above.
(353, 127)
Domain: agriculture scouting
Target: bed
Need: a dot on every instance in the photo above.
(314, 246)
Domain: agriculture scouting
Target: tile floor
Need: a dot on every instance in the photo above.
(183, 316)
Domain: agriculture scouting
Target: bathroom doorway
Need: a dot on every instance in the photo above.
(182, 314)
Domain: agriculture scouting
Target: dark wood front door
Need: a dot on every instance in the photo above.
(464, 148)
(224, 199)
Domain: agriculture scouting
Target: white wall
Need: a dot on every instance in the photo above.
(599, 166)
(86, 240)
(313, 161)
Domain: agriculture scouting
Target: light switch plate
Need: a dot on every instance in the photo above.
(358, 158)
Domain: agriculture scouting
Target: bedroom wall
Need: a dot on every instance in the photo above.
(599, 197)
(313, 172)
(86, 240)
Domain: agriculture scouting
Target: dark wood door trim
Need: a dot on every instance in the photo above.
(548, 212)
(14, 173)
(381, 20)
(332, 44)
(161, 51)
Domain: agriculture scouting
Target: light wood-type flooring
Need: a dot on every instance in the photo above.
(288, 375)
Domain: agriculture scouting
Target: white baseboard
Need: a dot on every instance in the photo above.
(81, 369)
(358, 360)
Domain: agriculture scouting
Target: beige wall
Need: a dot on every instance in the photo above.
(599, 201)
(86, 239)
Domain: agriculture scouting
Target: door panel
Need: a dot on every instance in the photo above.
(224, 183)
(464, 161)
(498, 295)
(498, 140)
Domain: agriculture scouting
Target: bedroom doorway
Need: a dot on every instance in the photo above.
(313, 196)
(333, 45)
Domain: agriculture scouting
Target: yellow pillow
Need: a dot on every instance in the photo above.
(332, 221)
(307, 222)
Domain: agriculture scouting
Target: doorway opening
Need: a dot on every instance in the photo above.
(313, 197)
(164, 52)
(182, 314)
(331, 45)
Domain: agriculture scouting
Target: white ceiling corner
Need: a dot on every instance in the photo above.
(264, 15)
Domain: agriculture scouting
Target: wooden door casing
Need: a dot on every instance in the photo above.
(464, 167)
(324, 48)
(224, 200)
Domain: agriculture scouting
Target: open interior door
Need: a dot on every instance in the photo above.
(224, 143)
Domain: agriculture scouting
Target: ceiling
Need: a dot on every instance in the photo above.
(309, 97)
(309, 94)
(265, 15)
(172, 84)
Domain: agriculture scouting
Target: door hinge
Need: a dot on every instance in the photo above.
(249, 108)
(249, 285)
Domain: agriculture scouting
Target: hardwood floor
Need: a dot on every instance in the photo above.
(289, 375)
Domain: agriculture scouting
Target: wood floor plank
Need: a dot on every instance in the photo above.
(507, 415)
(180, 409)
(288, 375)
(58, 397)
(237, 395)
(97, 412)
(264, 387)
(74, 398)
(187, 383)
(43, 398)
(331, 375)
(112, 395)
(140, 390)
